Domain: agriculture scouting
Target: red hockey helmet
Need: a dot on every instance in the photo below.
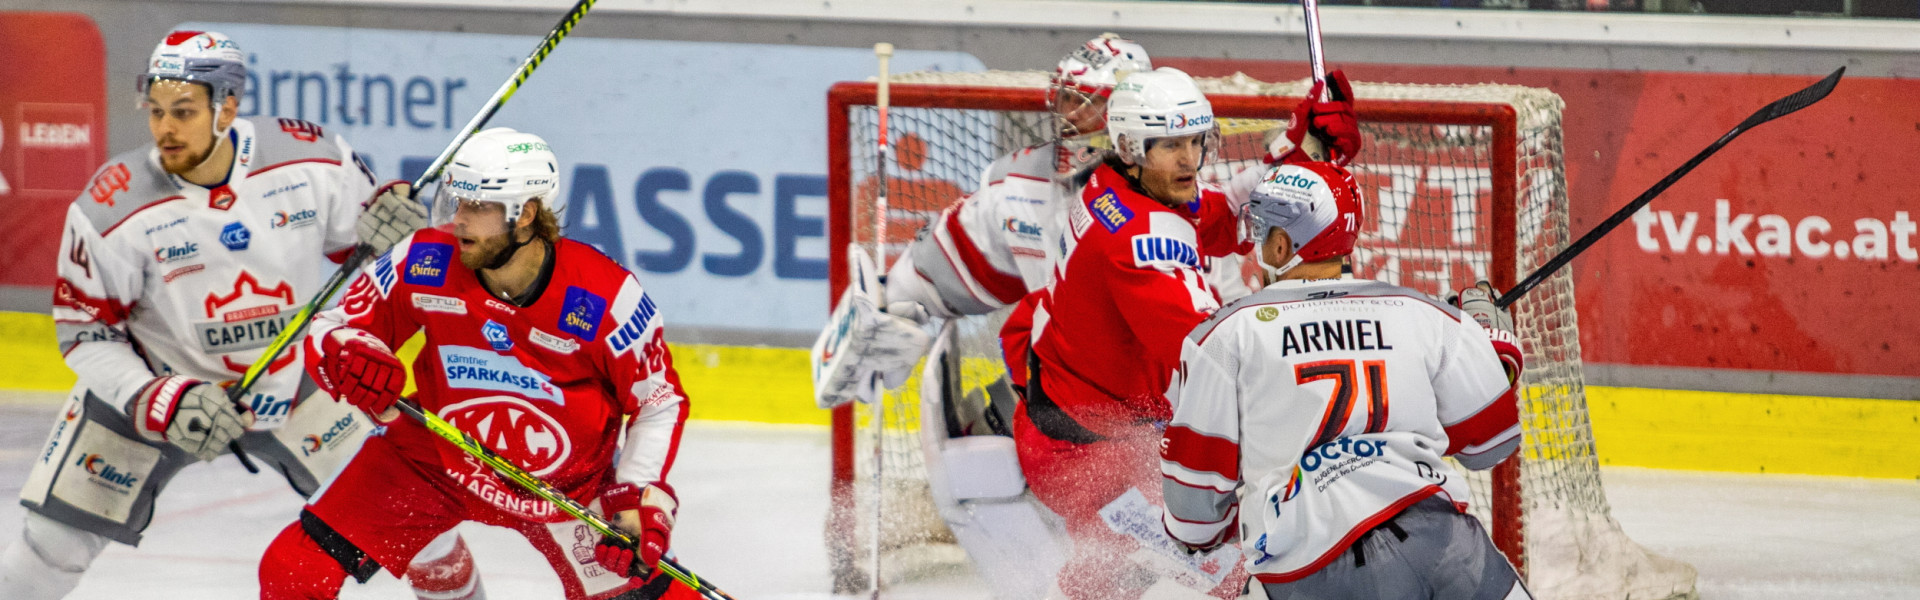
(1316, 203)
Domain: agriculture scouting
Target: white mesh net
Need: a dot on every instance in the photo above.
(1434, 178)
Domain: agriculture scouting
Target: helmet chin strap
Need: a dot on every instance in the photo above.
(513, 246)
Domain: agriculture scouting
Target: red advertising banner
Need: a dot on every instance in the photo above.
(1791, 250)
(53, 133)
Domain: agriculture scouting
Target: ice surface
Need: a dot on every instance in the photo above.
(754, 499)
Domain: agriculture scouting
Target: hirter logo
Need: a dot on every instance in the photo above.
(515, 429)
(580, 313)
(301, 130)
(427, 264)
(110, 180)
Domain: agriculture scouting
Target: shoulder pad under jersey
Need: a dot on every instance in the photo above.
(121, 187)
(281, 141)
(1032, 162)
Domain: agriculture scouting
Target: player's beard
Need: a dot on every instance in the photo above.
(484, 251)
(186, 160)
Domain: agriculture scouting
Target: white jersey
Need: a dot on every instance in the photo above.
(1334, 401)
(159, 276)
(1007, 239)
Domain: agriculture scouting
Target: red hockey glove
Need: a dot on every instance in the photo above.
(1332, 121)
(1478, 302)
(646, 514)
(358, 368)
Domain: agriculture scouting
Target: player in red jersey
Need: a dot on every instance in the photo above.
(1105, 335)
(541, 348)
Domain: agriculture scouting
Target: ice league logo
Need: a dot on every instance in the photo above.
(427, 264)
(496, 335)
(235, 236)
(580, 313)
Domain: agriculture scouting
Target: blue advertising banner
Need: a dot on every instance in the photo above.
(701, 166)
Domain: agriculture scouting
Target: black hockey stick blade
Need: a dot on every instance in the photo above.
(1779, 108)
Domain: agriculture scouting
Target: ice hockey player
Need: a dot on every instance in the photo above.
(1331, 401)
(178, 266)
(991, 248)
(985, 252)
(540, 347)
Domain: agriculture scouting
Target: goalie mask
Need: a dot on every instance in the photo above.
(1084, 80)
(1317, 204)
(1163, 103)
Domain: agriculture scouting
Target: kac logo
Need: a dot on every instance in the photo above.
(235, 236)
(516, 429)
(496, 335)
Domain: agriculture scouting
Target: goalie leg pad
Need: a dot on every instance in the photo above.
(96, 473)
(48, 559)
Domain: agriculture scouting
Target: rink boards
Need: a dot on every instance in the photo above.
(1641, 427)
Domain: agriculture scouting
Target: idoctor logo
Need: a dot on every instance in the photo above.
(1775, 236)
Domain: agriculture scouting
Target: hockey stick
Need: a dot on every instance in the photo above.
(1779, 108)
(546, 492)
(363, 252)
(883, 53)
(297, 325)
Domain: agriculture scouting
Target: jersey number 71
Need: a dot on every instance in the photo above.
(1347, 375)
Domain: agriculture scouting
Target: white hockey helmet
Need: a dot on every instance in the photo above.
(1161, 103)
(502, 166)
(1316, 203)
(203, 57)
(1089, 73)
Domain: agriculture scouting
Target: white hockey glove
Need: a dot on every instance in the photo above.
(390, 215)
(1478, 302)
(189, 413)
(861, 340)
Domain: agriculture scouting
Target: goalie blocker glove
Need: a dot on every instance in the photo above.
(189, 413)
(654, 508)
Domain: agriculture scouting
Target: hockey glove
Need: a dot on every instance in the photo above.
(357, 367)
(862, 339)
(1332, 123)
(1478, 302)
(195, 415)
(647, 514)
(390, 215)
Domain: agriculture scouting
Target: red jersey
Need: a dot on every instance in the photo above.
(560, 387)
(1106, 333)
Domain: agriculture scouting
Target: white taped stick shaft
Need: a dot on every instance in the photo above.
(1315, 55)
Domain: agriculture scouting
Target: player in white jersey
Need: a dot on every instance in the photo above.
(1311, 418)
(179, 265)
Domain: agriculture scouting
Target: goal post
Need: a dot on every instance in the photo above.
(1459, 183)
